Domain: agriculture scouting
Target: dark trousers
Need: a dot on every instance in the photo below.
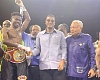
(52, 74)
(10, 71)
(77, 78)
(95, 78)
(33, 73)
(4, 66)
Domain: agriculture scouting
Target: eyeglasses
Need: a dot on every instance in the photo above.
(50, 20)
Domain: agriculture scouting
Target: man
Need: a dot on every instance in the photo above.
(30, 41)
(51, 45)
(64, 28)
(97, 57)
(12, 37)
(5, 24)
(80, 53)
(1, 51)
(97, 76)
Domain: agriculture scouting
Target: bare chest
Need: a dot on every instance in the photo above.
(15, 35)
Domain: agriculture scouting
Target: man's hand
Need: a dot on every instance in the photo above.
(22, 77)
(26, 49)
(61, 65)
(91, 73)
(21, 47)
(98, 73)
(29, 51)
(19, 3)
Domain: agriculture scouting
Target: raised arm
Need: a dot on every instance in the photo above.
(25, 14)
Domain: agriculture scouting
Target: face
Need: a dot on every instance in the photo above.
(75, 28)
(61, 28)
(35, 31)
(50, 22)
(6, 24)
(16, 21)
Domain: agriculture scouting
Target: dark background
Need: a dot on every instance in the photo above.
(65, 11)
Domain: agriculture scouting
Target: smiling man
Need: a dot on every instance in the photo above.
(81, 53)
(12, 37)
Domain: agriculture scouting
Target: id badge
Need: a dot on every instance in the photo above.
(79, 69)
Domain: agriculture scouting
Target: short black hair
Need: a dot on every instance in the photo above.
(16, 13)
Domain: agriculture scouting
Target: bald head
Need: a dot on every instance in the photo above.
(64, 28)
(6, 23)
(34, 30)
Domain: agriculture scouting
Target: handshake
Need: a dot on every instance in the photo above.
(27, 49)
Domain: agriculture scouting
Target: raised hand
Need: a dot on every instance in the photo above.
(28, 51)
(98, 73)
(19, 3)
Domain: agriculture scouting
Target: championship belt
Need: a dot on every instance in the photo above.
(15, 55)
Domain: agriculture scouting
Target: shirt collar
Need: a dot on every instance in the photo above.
(33, 37)
(80, 35)
(55, 31)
